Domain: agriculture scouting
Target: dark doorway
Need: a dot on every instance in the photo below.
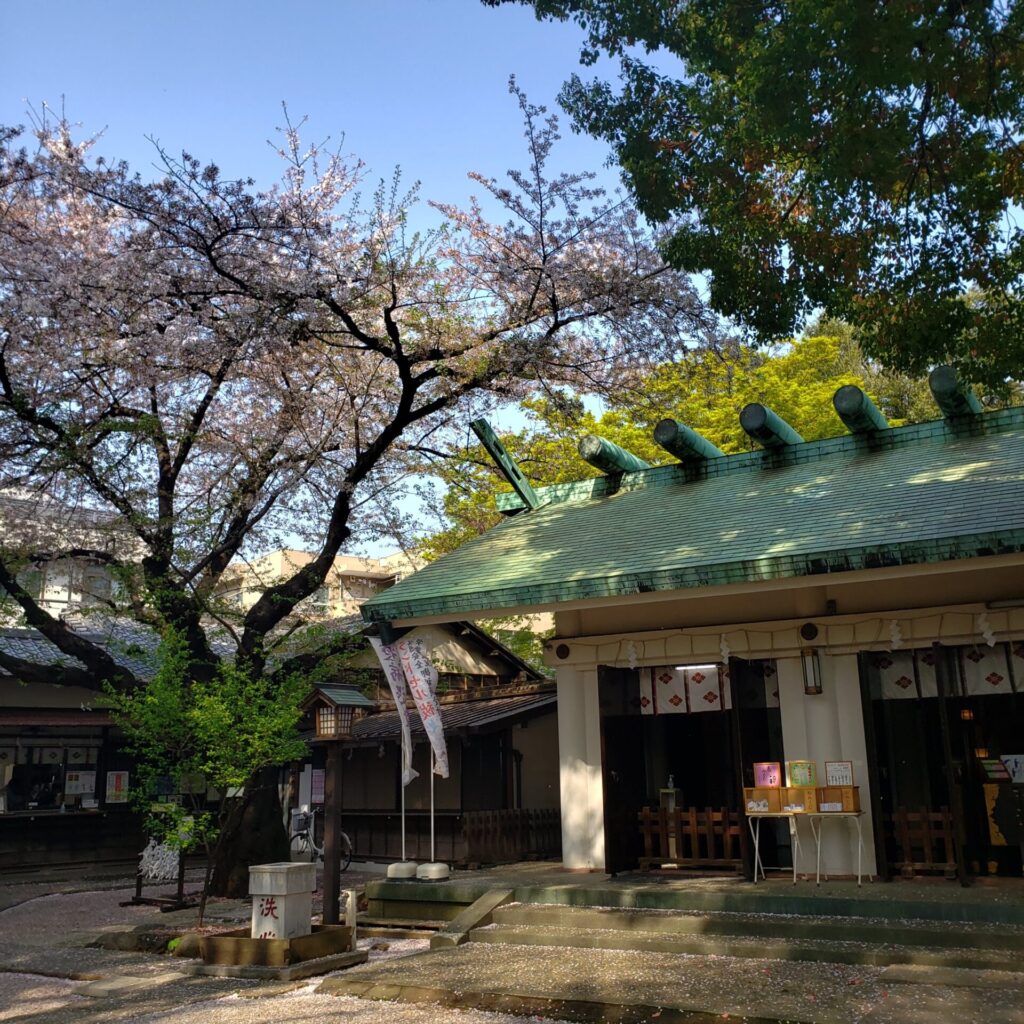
(694, 749)
(944, 719)
(622, 761)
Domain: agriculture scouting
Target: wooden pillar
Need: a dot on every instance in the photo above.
(332, 833)
(944, 683)
(882, 866)
(736, 666)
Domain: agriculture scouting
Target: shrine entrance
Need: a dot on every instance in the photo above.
(677, 743)
(948, 726)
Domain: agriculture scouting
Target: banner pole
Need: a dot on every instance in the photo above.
(433, 762)
(401, 786)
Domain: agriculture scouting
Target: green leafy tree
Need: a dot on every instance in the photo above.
(220, 732)
(861, 156)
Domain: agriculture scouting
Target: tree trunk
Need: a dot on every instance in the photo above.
(254, 833)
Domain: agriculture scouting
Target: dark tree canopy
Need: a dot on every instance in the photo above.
(864, 157)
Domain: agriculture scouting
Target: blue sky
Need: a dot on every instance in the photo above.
(418, 83)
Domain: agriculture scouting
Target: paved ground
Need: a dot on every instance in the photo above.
(45, 965)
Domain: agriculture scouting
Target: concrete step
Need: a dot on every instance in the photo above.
(1006, 938)
(941, 902)
(810, 950)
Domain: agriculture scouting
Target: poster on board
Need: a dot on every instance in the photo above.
(838, 773)
(316, 795)
(767, 774)
(117, 788)
(801, 773)
(79, 783)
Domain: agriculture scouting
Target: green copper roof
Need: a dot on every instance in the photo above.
(926, 493)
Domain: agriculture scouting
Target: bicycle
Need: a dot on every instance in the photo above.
(303, 839)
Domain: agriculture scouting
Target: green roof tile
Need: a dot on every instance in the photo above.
(926, 493)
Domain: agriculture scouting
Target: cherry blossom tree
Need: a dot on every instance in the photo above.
(213, 366)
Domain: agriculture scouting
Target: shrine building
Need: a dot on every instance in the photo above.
(850, 610)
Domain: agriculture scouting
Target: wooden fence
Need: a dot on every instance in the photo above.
(690, 838)
(925, 841)
(495, 837)
(469, 837)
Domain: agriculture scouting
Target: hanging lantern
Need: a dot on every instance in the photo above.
(336, 709)
(811, 664)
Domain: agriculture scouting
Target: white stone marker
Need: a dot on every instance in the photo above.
(351, 910)
(282, 899)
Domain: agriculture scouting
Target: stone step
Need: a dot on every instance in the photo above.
(941, 902)
(810, 950)
(387, 932)
(372, 925)
(777, 926)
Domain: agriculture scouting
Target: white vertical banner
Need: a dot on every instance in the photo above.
(422, 679)
(704, 689)
(771, 684)
(387, 655)
(985, 671)
(924, 659)
(647, 691)
(670, 691)
(896, 671)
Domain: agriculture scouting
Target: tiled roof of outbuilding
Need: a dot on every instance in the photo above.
(465, 716)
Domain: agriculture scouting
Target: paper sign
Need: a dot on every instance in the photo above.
(1015, 766)
(117, 788)
(838, 773)
(801, 773)
(768, 774)
(316, 795)
(79, 783)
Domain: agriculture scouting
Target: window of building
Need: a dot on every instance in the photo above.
(97, 587)
(319, 601)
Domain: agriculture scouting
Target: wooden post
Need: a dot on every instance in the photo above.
(736, 752)
(882, 866)
(945, 687)
(332, 833)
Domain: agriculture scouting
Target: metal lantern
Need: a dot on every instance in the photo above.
(811, 665)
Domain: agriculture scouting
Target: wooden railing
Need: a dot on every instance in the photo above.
(495, 837)
(470, 837)
(377, 835)
(690, 838)
(925, 841)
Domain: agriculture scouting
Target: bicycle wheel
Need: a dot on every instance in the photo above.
(346, 851)
(300, 846)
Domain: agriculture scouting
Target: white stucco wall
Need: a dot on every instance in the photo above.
(828, 727)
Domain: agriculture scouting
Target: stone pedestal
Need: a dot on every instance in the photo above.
(282, 899)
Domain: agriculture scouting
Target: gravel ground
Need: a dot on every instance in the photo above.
(72, 918)
(31, 1000)
(304, 1005)
(835, 993)
(46, 935)
(24, 997)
